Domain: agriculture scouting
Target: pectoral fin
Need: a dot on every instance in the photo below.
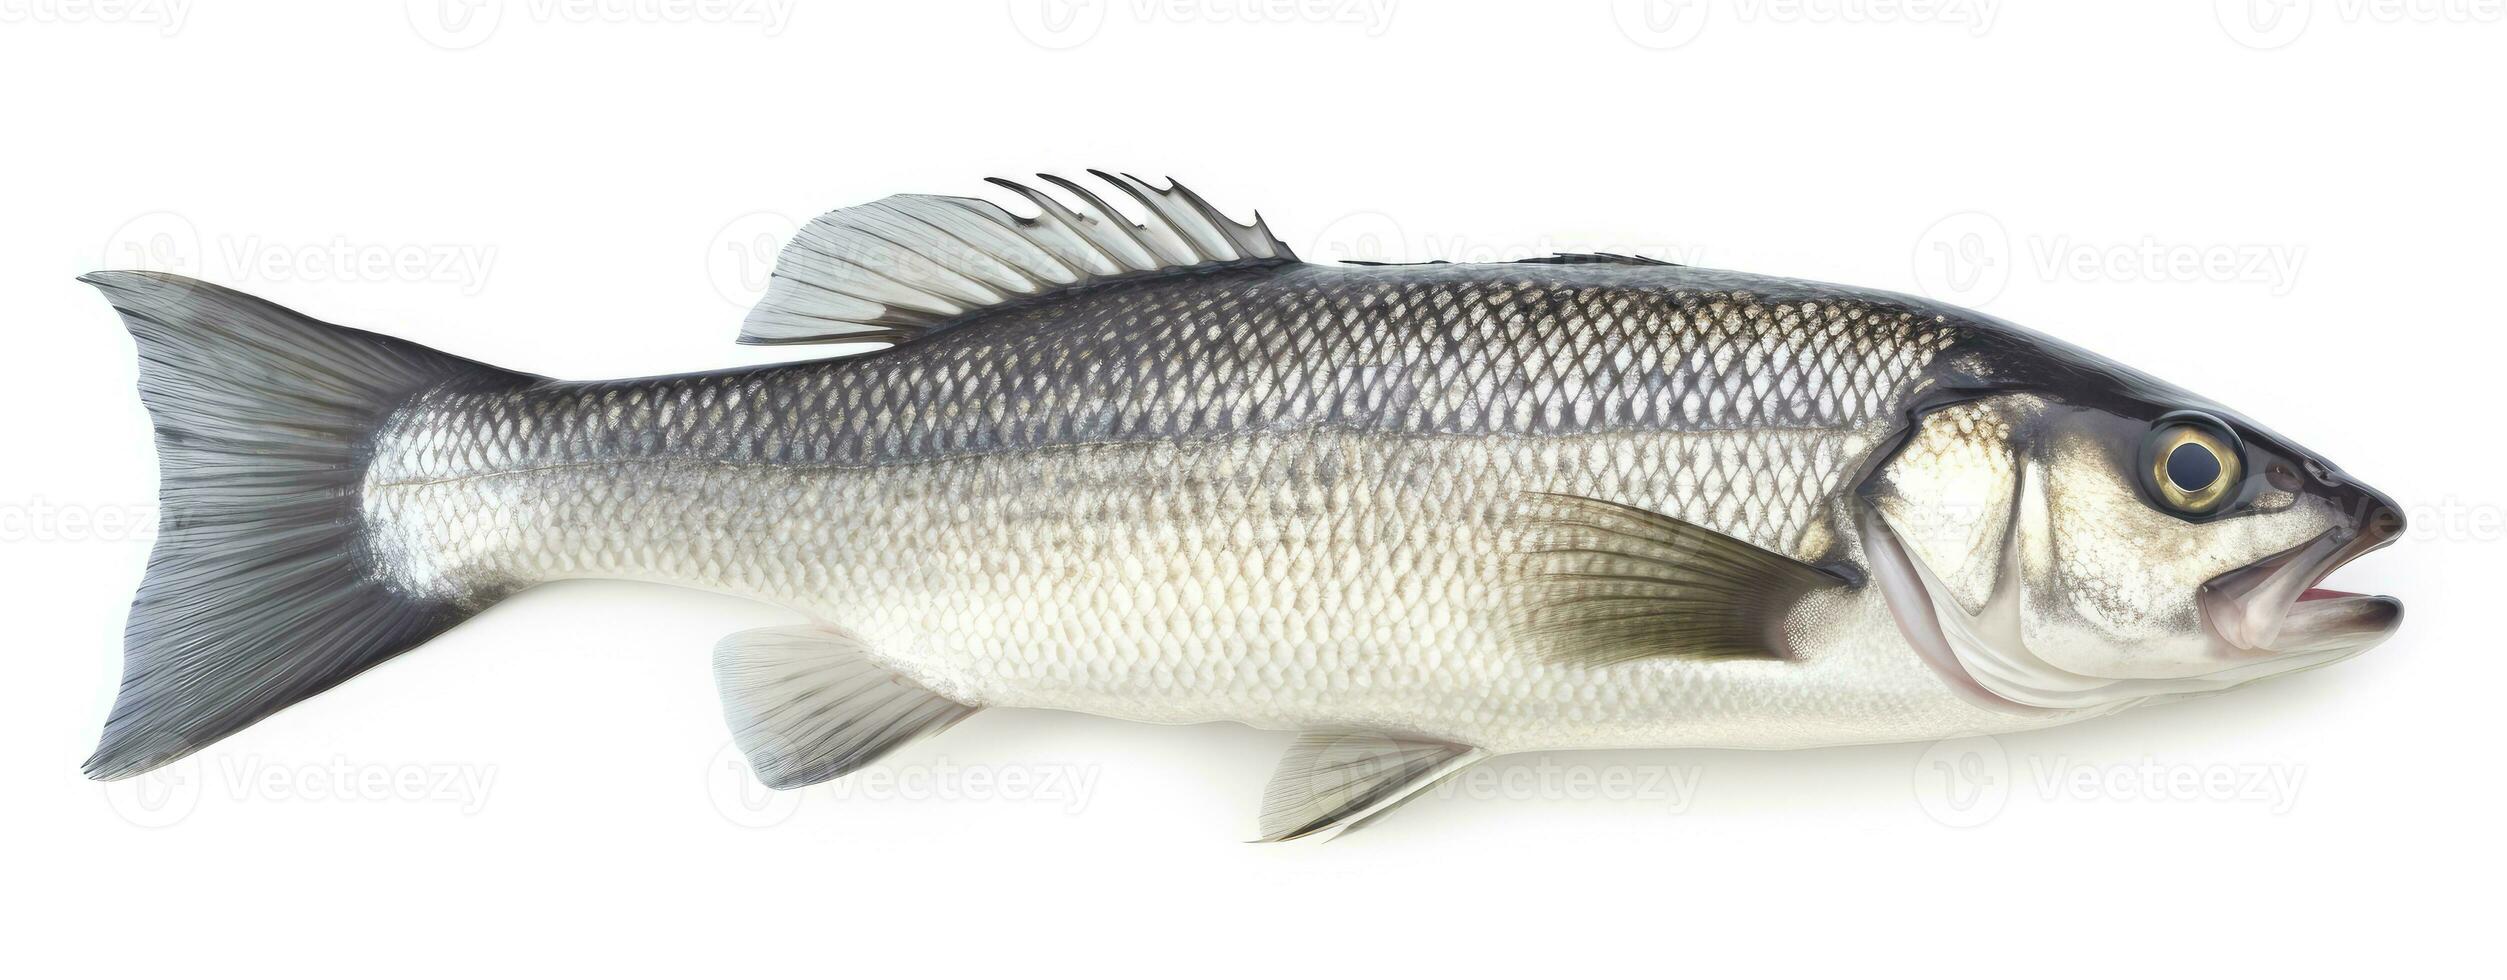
(806, 706)
(1603, 583)
(1338, 781)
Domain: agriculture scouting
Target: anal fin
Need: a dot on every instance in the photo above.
(1337, 781)
(806, 705)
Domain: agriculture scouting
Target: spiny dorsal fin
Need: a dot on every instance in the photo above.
(806, 706)
(1337, 781)
(897, 268)
(1604, 583)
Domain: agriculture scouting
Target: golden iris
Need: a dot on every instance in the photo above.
(2194, 469)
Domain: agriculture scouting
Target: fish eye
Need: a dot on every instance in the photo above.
(2192, 462)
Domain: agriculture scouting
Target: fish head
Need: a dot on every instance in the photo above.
(2051, 550)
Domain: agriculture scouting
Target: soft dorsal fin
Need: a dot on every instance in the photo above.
(1593, 258)
(1554, 258)
(896, 268)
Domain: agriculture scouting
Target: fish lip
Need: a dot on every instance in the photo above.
(2273, 608)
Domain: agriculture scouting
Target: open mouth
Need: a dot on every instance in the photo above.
(2275, 607)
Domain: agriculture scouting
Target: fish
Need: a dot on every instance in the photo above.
(1143, 462)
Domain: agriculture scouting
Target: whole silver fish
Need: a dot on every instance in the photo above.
(1161, 470)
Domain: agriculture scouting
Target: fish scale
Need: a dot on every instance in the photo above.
(1697, 362)
(1328, 523)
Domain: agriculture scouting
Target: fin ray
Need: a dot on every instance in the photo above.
(806, 704)
(259, 591)
(900, 267)
(1337, 781)
(1604, 583)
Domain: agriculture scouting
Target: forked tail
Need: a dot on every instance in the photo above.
(259, 593)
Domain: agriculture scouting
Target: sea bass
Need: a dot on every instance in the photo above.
(1154, 467)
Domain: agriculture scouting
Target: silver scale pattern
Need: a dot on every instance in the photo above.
(1274, 496)
(1443, 350)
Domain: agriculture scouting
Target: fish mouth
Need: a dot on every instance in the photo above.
(2274, 607)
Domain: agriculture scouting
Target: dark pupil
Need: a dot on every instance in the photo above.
(2192, 467)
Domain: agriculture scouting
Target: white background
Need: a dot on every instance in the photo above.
(2292, 206)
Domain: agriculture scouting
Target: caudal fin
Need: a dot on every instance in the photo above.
(258, 594)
